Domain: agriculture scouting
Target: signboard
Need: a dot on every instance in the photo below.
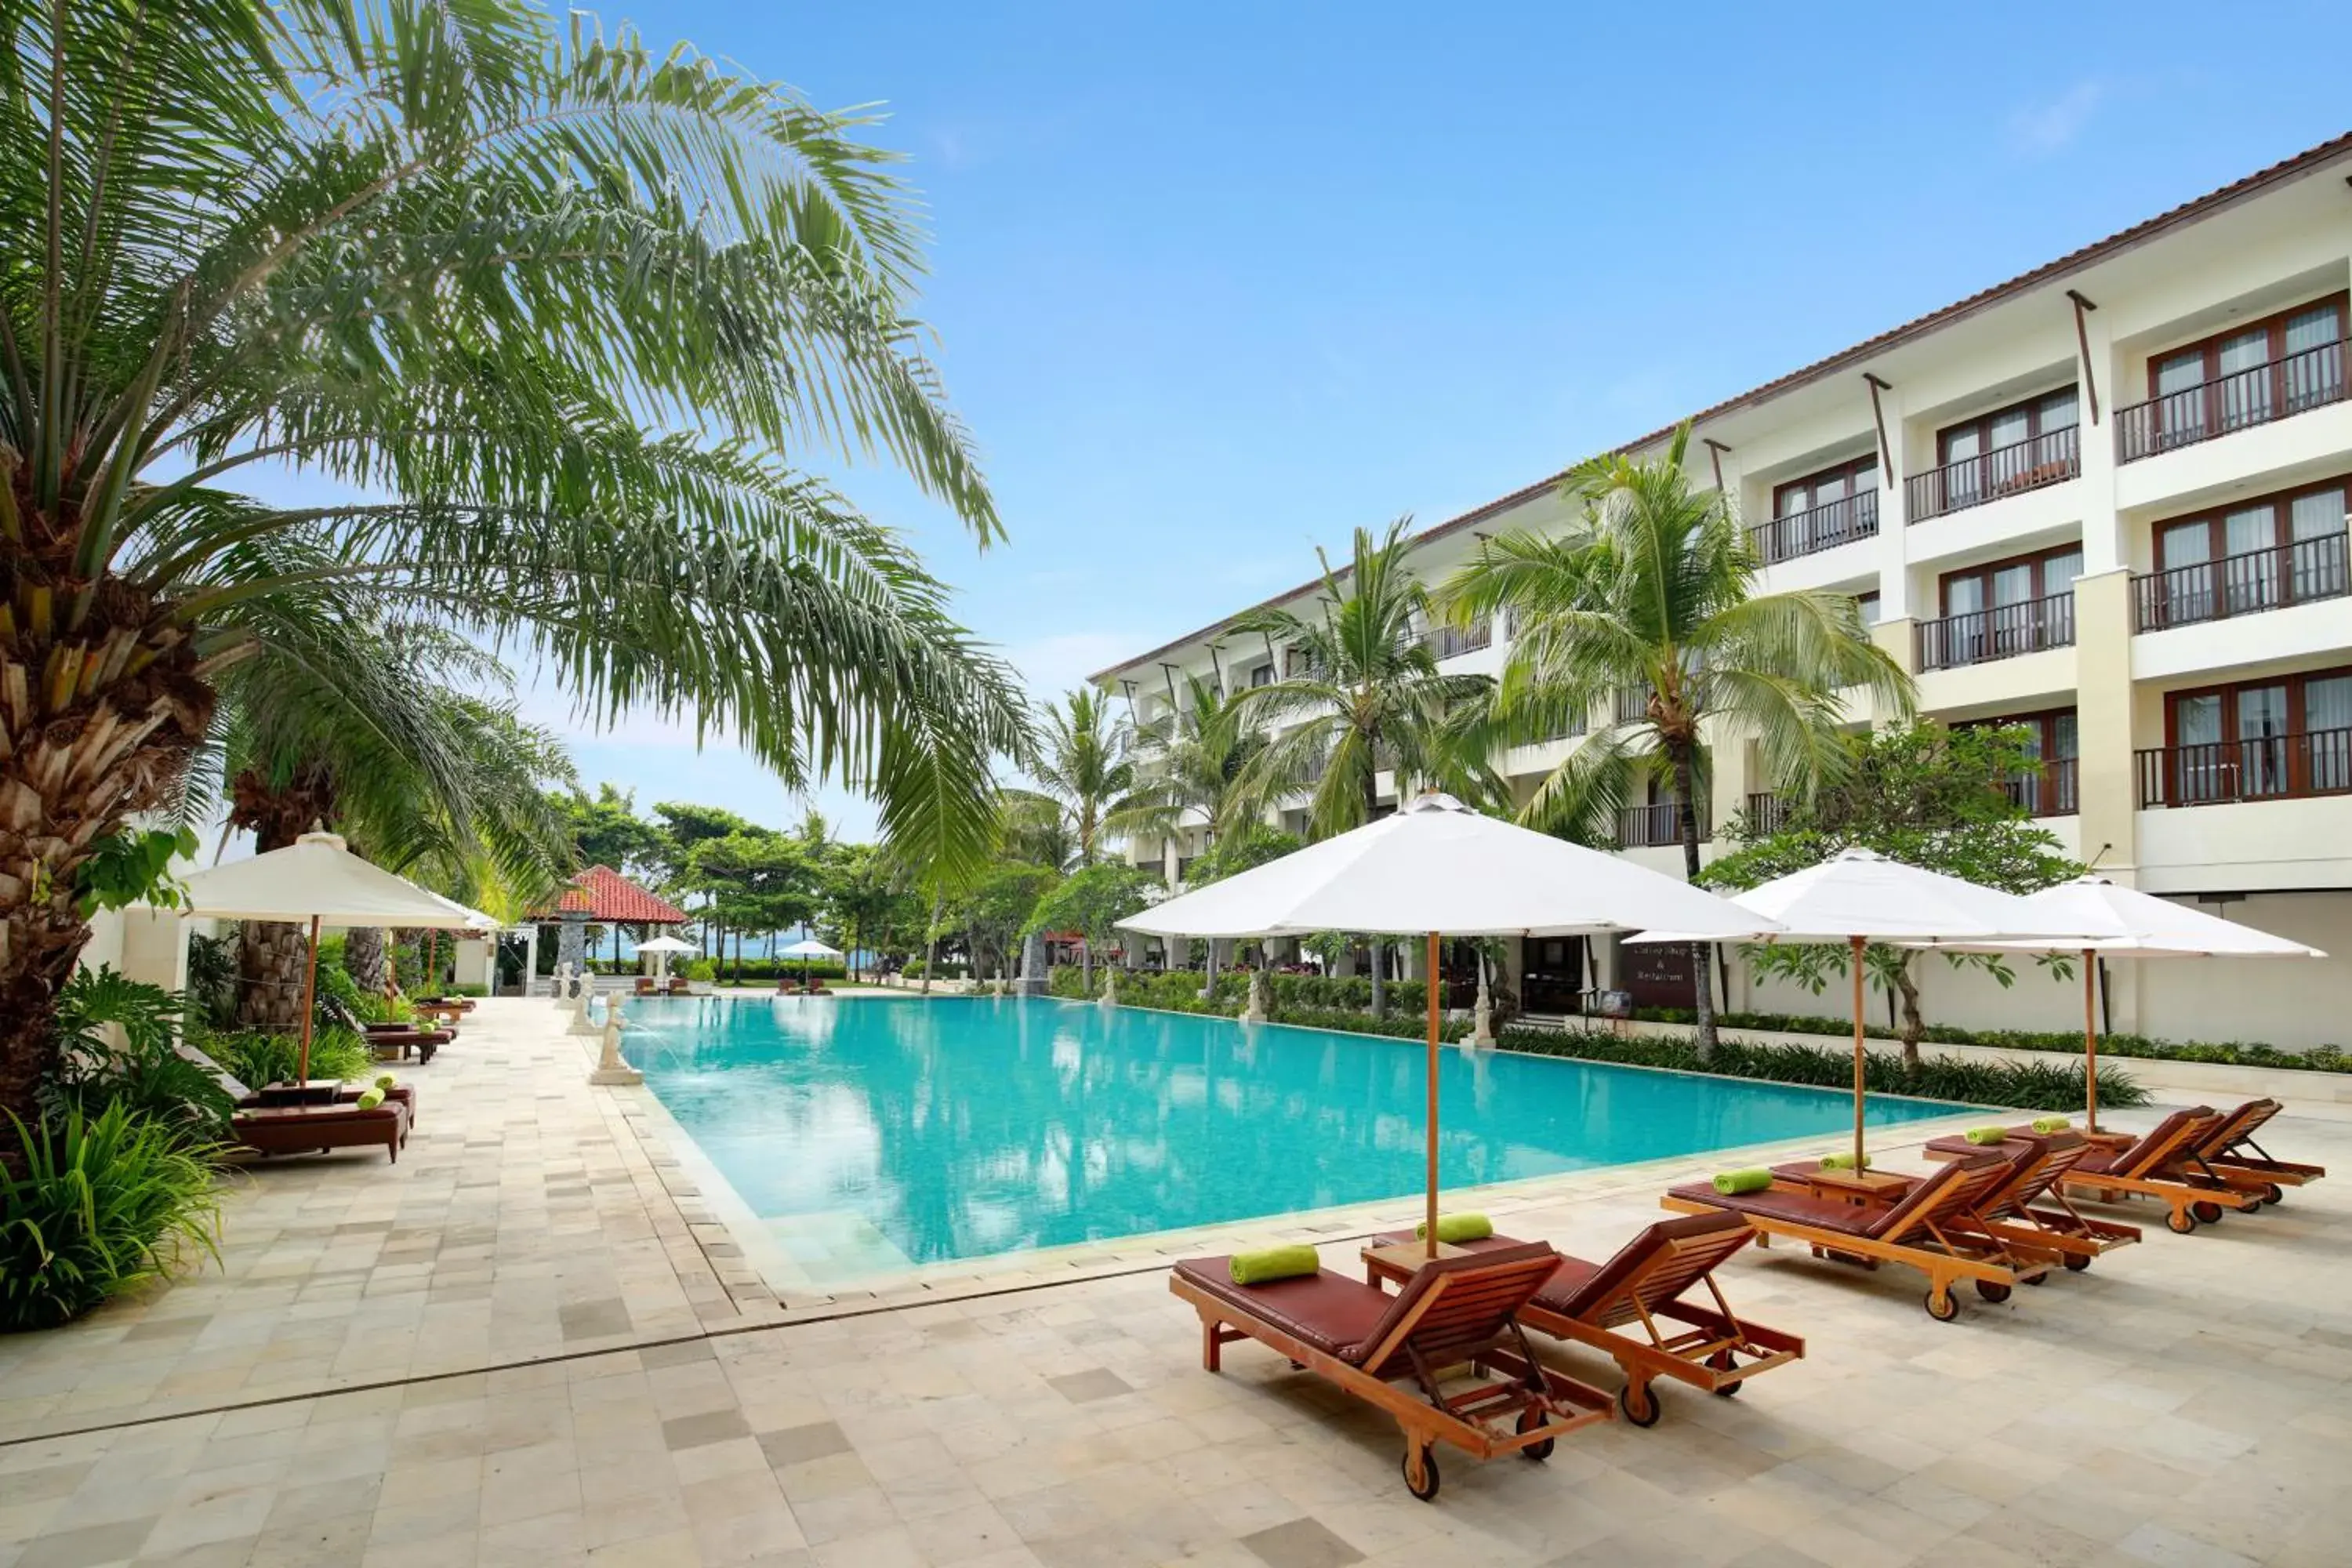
(1658, 974)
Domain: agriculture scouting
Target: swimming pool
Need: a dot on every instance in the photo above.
(869, 1132)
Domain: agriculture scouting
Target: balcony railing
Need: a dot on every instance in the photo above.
(2002, 632)
(2051, 790)
(1639, 826)
(1300, 664)
(2269, 767)
(2306, 379)
(1824, 527)
(1453, 642)
(2049, 458)
(1767, 812)
(1633, 703)
(2244, 585)
(1184, 867)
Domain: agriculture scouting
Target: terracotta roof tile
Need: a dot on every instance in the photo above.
(607, 897)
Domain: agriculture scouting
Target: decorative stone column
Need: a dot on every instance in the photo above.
(571, 942)
(1481, 1033)
(612, 1067)
(1032, 981)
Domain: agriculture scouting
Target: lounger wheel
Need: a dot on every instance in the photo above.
(2206, 1212)
(1641, 1408)
(1530, 1419)
(2037, 1280)
(2076, 1263)
(2274, 1193)
(1721, 1361)
(1942, 1305)
(1992, 1290)
(2253, 1205)
(2180, 1222)
(1425, 1489)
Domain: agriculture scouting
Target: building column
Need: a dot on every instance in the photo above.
(2107, 772)
(1893, 542)
(2106, 543)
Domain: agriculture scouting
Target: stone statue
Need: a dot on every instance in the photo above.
(1261, 1001)
(1034, 979)
(1482, 1032)
(612, 1067)
(561, 987)
(1111, 987)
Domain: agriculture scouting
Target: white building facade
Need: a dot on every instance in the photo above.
(2107, 500)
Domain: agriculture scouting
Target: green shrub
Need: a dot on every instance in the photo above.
(702, 969)
(467, 990)
(259, 1058)
(951, 969)
(105, 1202)
(2320, 1058)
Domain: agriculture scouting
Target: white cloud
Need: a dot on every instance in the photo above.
(2042, 131)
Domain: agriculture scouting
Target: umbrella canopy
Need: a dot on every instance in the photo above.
(665, 944)
(317, 878)
(1858, 896)
(810, 948)
(1436, 868)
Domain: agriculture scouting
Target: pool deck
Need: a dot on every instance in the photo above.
(537, 1339)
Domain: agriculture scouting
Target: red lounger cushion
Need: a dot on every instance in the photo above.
(1329, 1311)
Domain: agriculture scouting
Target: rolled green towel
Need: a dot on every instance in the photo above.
(370, 1098)
(385, 1081)
(1275, 1263)
(1729, 1183)
(1843, 1162)
(2050, 1124)
(1457, 1227)
(1984, 1136)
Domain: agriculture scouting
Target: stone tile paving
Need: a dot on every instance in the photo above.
(2185, 1402)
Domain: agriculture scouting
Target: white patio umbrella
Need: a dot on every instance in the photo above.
(2154, 928)
(661, 947)
(316, 878)
(1438, 869)
(805, 950)
(1858, 897)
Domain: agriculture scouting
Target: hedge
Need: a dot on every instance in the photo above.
(1172, 988)
(2233, 1053)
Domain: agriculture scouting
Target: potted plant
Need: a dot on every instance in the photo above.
(699, 975)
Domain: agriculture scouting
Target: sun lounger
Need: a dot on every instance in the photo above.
(1594, 1304)
(272, 1097)
(405, 1038)
(1395, 1351)
(2030, 1211)
(2162, 1163)
(317, 1129)
(2232, 1156)
(1928, 1229)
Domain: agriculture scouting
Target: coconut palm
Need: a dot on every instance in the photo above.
(1084, 760)
(547, 318)
(1360, 694)
(1653, 595)
(1187, 763)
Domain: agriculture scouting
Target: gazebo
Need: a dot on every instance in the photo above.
(602, 896)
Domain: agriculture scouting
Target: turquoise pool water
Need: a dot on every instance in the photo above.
(873, 1132)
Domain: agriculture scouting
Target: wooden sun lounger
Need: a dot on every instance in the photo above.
(317, 1129)
(2039, 1164)
(1395, 1352)
(2232, 1157)
(1928, 1229)
(2162, 1163)
(1591, 1304)
(404, 1038)
(274, 1096)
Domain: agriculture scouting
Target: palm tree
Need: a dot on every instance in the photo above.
(548, 319)
(1084, 762)
(1652, 596)
(1360, 694)
(1187, 763)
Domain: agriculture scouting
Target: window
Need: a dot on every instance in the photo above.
(1261, 675)
(2050, 787)
(1820, 510)
(2248, 375)
(2255, 554)
(2004, 608)
(2256, 740)
(2019, 448)
(1868, 604)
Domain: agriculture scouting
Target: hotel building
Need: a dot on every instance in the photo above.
(2107, 500)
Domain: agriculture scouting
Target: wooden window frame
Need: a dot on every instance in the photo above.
(2228, 693)
(1981, 425)
(1873, 601)
(2215, 519)
(2044, 721)
(1846, 470)
(2210, 346)
(2038, 560)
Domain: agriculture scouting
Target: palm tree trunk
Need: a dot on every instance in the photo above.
(931, 950)
(1915, 1023)
(364, 957)
(1086, 967)
(271, 958)
(1702, 954)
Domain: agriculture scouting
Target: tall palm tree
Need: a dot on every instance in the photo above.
(1084, 760)
(550, 320)
(1187, 763)
(1360, 694)
(1652, 594)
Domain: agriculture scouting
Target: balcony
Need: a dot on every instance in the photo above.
(2308, 378)
(1184, 869)
(1767, 812)
(2242, 585)
(1660, 822)
(1300, 664)
(2052, 458)
(2269, 767)
(2051, 790)
(1453, 642)
(1824, 527)
(1632, 704)
(2002, 632)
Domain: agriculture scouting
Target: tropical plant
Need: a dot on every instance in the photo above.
(257, 1057)
(993, 910)
(104, 1202)
(1086, 762)
(1943, 800)
(544, 318)
(1091, 901)
(145, 1072)
(1033, 829)
(134, 866)
(1186, 764)
(1361, 694)
(1652, 597)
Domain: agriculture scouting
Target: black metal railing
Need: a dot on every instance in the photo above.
(2244, 584)
(1300, 664)
(2051, 790)
(1767, 812)
(2049, 458)
(2238, 401)
(1452, 642)
(1639, 826)
(2002, 632)
(2269, 767)
(1633, 703)
(1184, 867)
(1824, 527)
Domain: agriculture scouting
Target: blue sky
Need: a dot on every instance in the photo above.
(1214, 284)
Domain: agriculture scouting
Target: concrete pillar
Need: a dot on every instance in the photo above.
(472, 962)
(156, 948)
(2103, 719)
(2106, 543)
(1894, 540)
(1900, 639)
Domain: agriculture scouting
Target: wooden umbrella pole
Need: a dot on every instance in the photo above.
(309, 1006)
(1858, 1057)
(1430, 986)
(2090, 1041)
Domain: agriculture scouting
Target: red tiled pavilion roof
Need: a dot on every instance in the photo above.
(605, 895)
